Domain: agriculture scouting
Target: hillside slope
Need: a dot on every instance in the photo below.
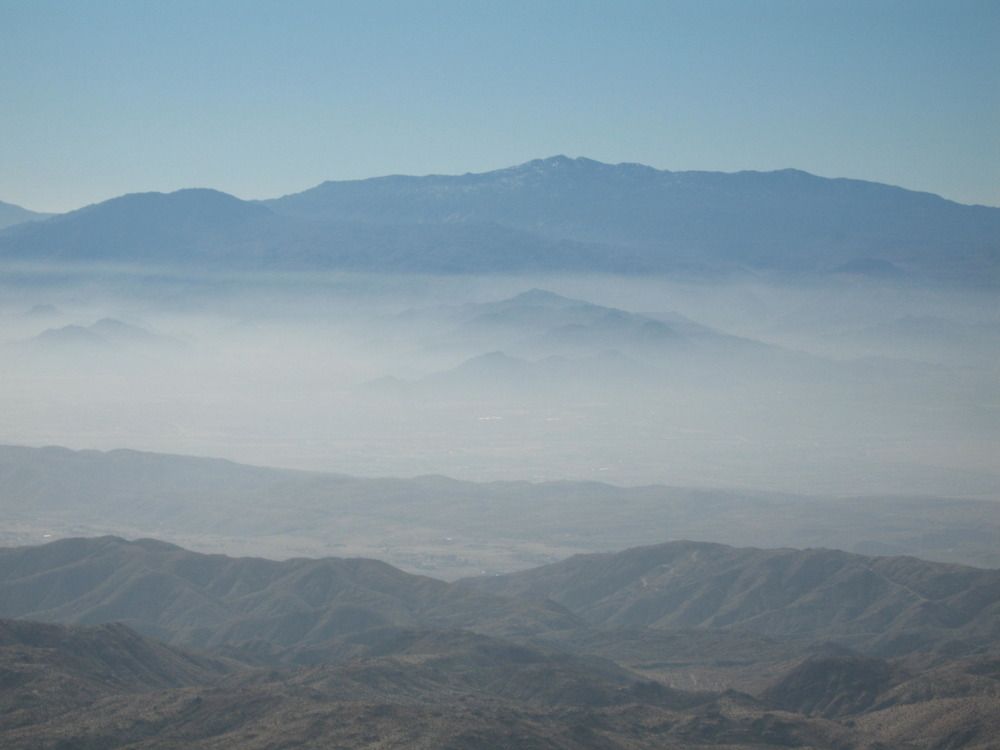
(885, 605)
(442, 690)
(205, 600)
(49, 669)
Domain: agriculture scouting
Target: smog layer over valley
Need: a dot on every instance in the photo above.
(665, 445)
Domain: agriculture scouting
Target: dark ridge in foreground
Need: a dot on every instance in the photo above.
(354, 653)
(884, 605)
(47, 670)
(445, 691)
(201, 600)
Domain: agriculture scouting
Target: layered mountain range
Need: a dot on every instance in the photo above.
(310, 652)
(549, 214)
(820, 340)
(883, 604)
(445, 527)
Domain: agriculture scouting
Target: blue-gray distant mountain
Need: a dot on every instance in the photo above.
(787, 219)
(105, 336)
(61, 492)
(159, 228)
(549, 214)
(11, 215)
(203, 228)
(546, 340)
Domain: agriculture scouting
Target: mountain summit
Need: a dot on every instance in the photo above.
(556, 214)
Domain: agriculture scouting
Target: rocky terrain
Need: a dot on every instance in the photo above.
(682, 645)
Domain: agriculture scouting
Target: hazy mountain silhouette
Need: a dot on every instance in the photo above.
(106, 332)
(565, 340)
(200, 500)
(11, 214)
(548, 214)
(203, 228)
(106, 344)
(542, 321)
(71, 336)
(188, 226)
(785, 219)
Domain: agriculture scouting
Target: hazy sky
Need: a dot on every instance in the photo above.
(265, 98)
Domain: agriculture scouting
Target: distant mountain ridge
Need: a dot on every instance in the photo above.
(785, 219)
(164, 228)
(548, 214)
(11, 214)
(179, 498)
(541, 325)
(105, 333)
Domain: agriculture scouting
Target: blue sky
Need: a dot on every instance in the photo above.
(265, 98)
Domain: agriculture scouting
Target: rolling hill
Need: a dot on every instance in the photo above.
(447, 690)
(204, 600)
(51, 669)
(883, 606)
(887, 605)
(358, 682)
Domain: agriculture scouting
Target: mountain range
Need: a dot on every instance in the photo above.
(105, 334)
(73, 687)
(405, 661)
(445, 527)
(546, 340)
(882, 605)
(207, 600)
(548, 214)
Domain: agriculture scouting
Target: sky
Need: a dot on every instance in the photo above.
(265, 98)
